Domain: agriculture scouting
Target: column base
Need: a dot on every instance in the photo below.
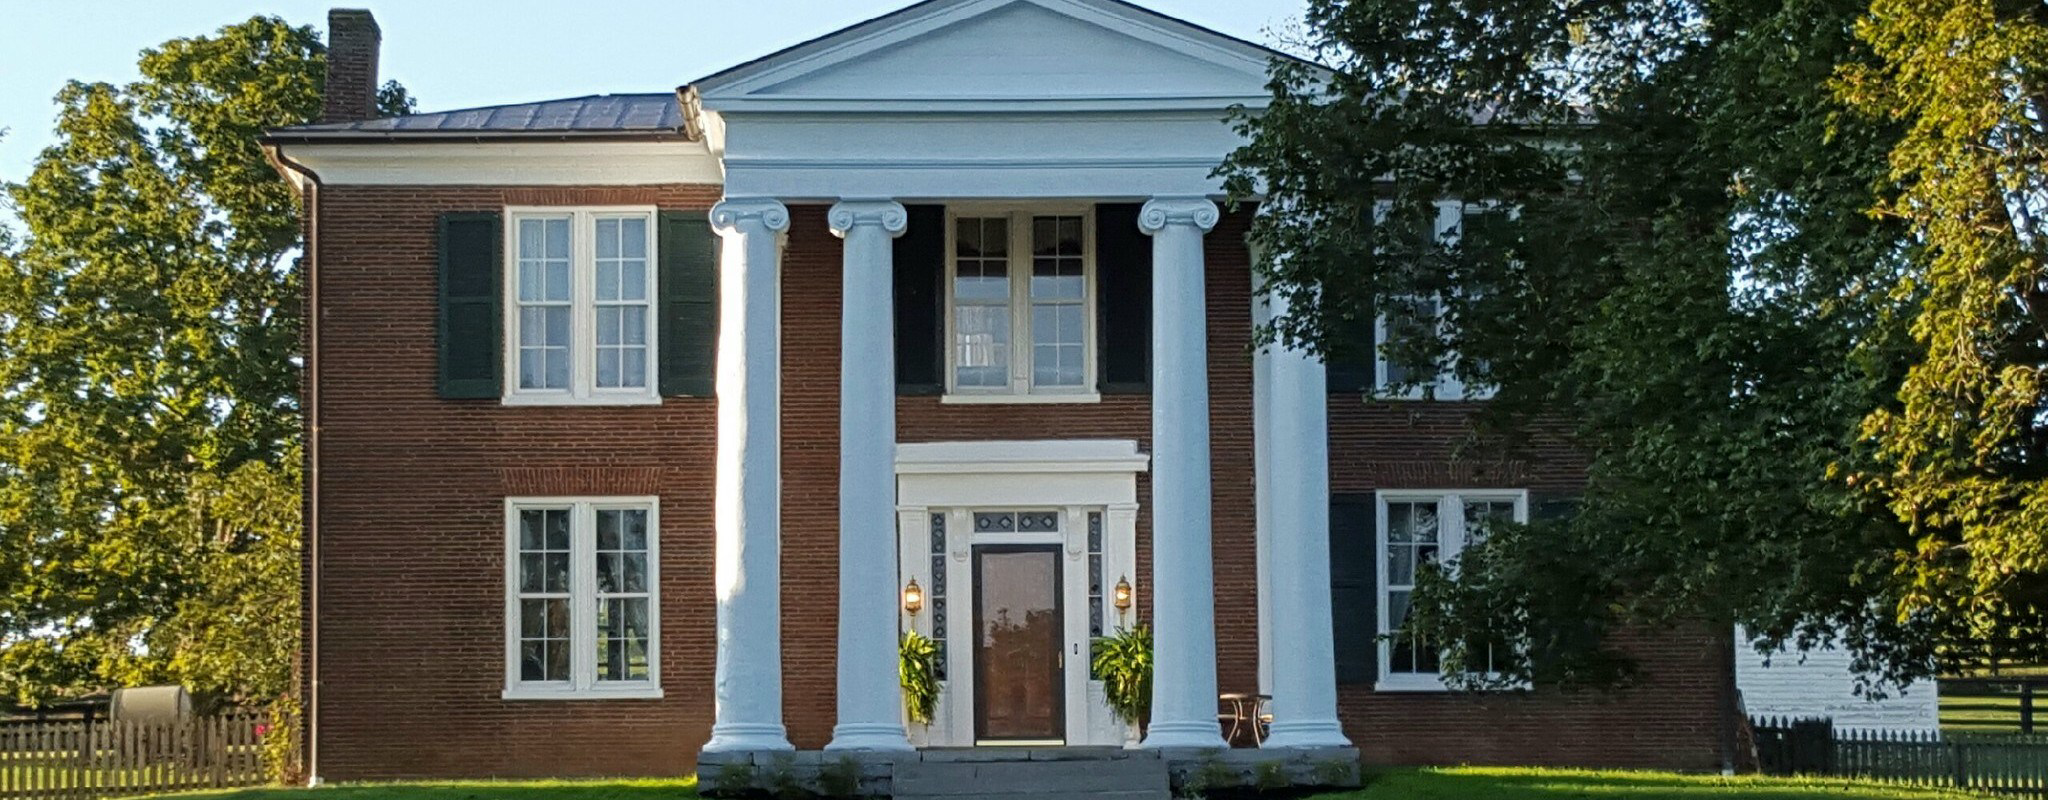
(869, 736)
(1181, 735)
(734, 737)
(1306, 734)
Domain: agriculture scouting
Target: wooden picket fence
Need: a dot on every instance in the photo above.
(2004, 764)
(81, 759)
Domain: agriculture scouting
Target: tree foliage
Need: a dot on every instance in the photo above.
(1713, 265)
(149, 319)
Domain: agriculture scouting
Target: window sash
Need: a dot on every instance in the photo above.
(1452, 535)
(611, 342)
(1027, 308)
(584, 597)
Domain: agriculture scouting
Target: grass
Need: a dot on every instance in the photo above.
(1495, 783)
(1465, 783)
(637, 789)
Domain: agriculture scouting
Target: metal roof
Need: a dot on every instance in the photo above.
(594, 114)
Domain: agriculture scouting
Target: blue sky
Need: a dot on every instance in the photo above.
(461, 53)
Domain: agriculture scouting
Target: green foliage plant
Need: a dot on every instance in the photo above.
(1123, 662)
(1271, 776)
(734, 779)
(840, 778)
(919, 668)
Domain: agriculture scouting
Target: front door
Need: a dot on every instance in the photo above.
(1019, 634)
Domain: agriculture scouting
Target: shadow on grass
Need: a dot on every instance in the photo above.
(472, 790)
(1531, 784)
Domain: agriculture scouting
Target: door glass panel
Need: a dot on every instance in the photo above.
(1018, 683)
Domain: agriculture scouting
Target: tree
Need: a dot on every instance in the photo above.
(149, 315)
(1963, 449)
(1686, 273)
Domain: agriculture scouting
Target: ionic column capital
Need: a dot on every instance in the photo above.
(732, 215)
(849, 214)
(1161, 212)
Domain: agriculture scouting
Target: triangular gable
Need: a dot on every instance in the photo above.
(991, 54)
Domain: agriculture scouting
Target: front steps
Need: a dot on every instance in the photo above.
(1023, 773)
(1059, 773)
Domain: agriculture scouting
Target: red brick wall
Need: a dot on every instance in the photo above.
(411, 526)
(411, 644)
(1670, 717)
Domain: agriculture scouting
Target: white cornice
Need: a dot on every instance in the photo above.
(507, 163)
(1040, 457)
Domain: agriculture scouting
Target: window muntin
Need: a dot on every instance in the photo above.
(583, 606)
(1020, 329)
(581, 328)
(1059, 297)
(981, 302)
(544, 302)
(1418, 529)
(543, 595)
(622, 302)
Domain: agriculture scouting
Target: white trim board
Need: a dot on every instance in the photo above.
(507, 163)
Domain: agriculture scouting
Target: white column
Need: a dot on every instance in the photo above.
(747, 519)
(1305, 680)
(1183, 577)
(870, 690)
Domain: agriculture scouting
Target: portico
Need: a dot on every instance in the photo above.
(1066, 103)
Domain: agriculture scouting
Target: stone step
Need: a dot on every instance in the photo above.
(1120, 779)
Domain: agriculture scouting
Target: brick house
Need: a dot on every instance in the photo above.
(630, 418)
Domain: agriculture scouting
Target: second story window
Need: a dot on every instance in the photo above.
(1411, 319)
(580, 322)
(1021, 306)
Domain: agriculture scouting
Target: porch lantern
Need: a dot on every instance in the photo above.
(1123, 595)
(913, 597)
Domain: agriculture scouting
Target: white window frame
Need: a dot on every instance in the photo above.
(1450, 544)
(1450, 218)
(583, 683)
(1020, 389)
(583, 389)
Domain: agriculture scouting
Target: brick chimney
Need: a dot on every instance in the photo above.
(352, 44)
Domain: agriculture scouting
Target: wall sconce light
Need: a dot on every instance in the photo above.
(1123, 595)
(913, 597)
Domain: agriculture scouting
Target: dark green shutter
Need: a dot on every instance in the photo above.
(920, 255)
(468, 332)
(1354, 594)
(688, 317)
(1123, 301)
(1352, 343)
(1553, 506)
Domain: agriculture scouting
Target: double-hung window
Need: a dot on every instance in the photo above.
(581, 605)
(1409, 319)
(580, 291)
(1417, 531)
(1020, 305)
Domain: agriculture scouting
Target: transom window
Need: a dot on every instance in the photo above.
(581, 603)
(1021, 305)
(581, 291)
(1416, 531)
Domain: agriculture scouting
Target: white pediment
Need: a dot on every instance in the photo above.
(991, 55)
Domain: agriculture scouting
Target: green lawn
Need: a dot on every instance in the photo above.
(1428, 784)
(1496, 783)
